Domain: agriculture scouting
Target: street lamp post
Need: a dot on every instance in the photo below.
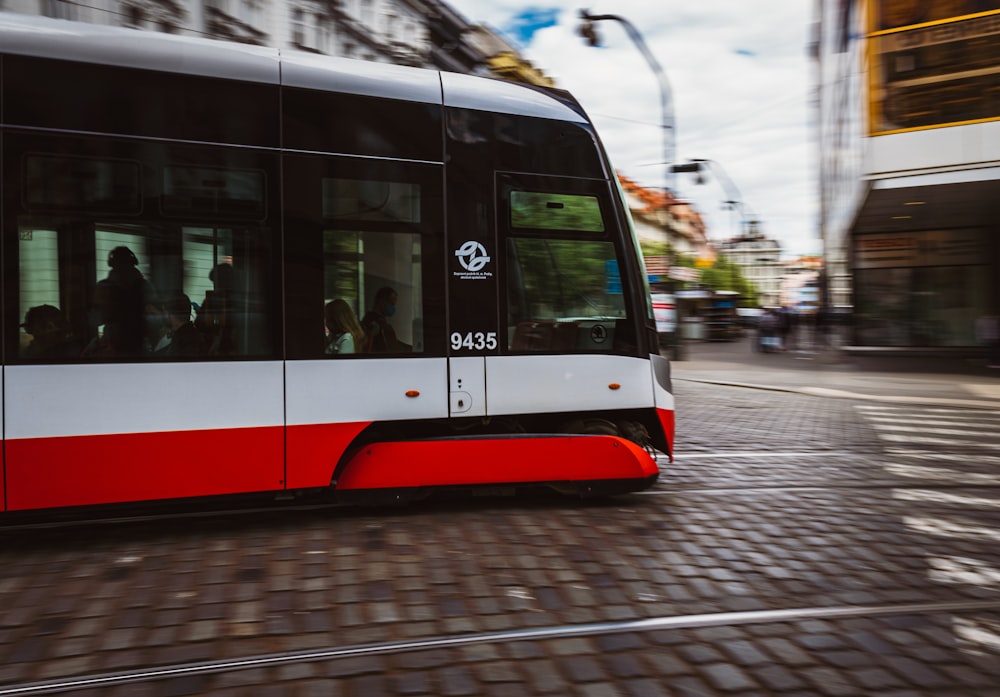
(588, 32)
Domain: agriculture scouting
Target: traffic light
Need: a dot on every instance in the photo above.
(587, 30)
(689, 167)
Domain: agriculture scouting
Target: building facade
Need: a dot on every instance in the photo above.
(384, 31)
(800, 284)
(909, 138)
(660, 217)
(759, 259)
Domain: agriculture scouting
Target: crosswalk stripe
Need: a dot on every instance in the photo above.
(899, 428)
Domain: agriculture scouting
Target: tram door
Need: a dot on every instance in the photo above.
(536, 300)
(364, 303)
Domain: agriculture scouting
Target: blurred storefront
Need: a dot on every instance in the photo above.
(909, 114)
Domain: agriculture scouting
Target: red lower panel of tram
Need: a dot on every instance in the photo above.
(498, 460)
(84, 470)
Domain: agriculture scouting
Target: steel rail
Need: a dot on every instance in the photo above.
(534, 634)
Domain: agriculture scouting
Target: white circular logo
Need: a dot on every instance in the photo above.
(472, 256)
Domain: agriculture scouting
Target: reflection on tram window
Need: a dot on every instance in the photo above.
(546, 211)
(356, 266)
(562, 295)
(61, 183)
(371, 200)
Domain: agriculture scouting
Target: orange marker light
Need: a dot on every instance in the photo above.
(413, 393)
(614, 386)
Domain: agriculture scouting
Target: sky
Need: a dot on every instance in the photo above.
(740, 83)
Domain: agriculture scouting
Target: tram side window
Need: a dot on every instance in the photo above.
(106, 275)
(373, 295)
(124, 292)
(563, 292)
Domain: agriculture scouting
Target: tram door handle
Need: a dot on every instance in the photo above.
(467, 386)
(460, 402)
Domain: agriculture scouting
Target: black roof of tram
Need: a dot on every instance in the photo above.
(114, 46)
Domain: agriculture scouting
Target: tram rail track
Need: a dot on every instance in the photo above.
(677, 622)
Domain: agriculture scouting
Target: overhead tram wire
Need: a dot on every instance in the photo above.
(737, 122)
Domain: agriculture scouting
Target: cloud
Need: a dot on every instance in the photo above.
(740, 83)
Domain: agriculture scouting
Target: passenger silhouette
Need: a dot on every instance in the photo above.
(381, 335)
(185, 340)
(120, 302)
(157, 327)
(216, 316)
(51, 336)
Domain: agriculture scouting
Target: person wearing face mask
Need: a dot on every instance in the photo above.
(381, 335)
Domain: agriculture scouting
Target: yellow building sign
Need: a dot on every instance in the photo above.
(934, 64)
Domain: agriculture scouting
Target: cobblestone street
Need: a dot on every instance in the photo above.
(799, 545)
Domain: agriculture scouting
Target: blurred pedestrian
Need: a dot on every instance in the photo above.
(988, 335)
(768, 330)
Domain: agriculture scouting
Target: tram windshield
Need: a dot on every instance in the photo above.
(564, 291)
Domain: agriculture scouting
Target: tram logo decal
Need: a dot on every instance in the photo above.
(473, 257)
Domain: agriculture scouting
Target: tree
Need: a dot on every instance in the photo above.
(725, 275)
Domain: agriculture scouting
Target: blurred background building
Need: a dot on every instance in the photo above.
(421, 33)
(909, 140)
(662, 218)
(800, 282)
(759, 259)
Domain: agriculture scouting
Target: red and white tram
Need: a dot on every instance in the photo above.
(179, 216)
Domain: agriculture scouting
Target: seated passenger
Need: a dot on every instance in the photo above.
(185, 340)
(346, 334)
(215, 317)
(157, 327)
(51, 337)
(381, 335)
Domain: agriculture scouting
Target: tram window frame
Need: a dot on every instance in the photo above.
(311, 254)
(76, 261)
(604, 333)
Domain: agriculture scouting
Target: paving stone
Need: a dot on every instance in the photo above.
(543, 677)
(645, 687)
(623, 665)
(580, 669)
(457, 681)
(743, 653)
(699, 653)
(877, 679)
(785, 652)
(830, 682)
(778, 677)
(727, 677)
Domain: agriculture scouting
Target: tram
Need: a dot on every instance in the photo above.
(191, 229)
